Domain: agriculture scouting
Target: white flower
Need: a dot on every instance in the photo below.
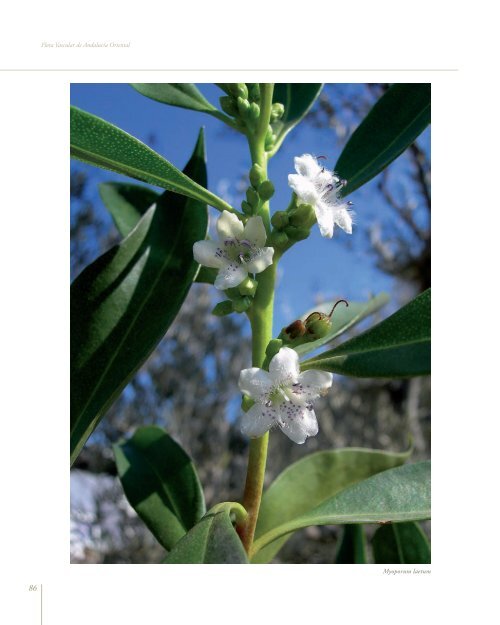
(315, 185)
(238, 252)
(283, 396)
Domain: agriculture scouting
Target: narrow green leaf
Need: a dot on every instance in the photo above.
(160, 482)
(343, 319)
(184, 95)
(99, 143)
(127, 203)
(398, 347)
(396, 495)
(393, 124)
(124, 302)
(213, 540)
(402, 543)
(315, 478)
(298, 99)
(352, 548)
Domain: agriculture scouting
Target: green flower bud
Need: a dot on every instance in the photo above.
(302, 216)
(277, 111)
(248, 287)
(254, 111)
(246, 208)
(252, 197)
(243, 106)
(269, 142)
(228, 105)
(278, 240)
(296, 233)
(223, 308)
(253, 91)
(266, 190)
(241, 90)
(242, 304)
(256, 175)
(280, 220)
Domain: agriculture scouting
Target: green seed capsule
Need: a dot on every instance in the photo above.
(223, 308)
(317, 325)
(266, 190)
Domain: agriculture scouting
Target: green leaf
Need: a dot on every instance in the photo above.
(398, 347)
(343, 319)
(124, 302)
(402, 543)
(185, 95)
(352, 549)
(316, 478)
(397, 495)
(297, 99)
(160, 482)
(127, 203)
(213, 540)
(99, 143)
(393, 124)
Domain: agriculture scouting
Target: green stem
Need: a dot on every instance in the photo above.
(261, 320)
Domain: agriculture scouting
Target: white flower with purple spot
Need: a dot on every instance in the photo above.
(315, 185)
(283, 396)
(239, 251)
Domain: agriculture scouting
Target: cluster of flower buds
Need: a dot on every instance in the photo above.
(259, 191)
(243, 103)
(292, 225)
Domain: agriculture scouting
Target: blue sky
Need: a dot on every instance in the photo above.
(316, 267)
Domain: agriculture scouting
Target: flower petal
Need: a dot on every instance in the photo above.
(262, 260)
(258, 420)
(344, 219)
(324, 217)
(208, 254)
(229, 226)
(255, 232)
(307, 165)
(255, 382)
(284, 367)
(297, 422)
(304, 188)
(312, 384)
(229, 276)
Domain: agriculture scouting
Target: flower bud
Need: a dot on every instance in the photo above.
(302, 216)
(256, 175)
(242, 304)
(266, 190)
(246, 208)
(254, 112)
(280, 220)
(241, 90)
(223, 308)
(228, 105)
(277, 111)
(278, 240)
(296, 233)
(248, 287)
(252, 197)
(253, 91)
(243, 106)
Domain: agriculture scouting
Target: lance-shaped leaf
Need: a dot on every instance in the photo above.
(398, 347)
(127, 203)
(161, 484)
(123, 303)
(396, 495)
(102, 144)
(312, 480)
(352, 548)
(185, 95)
(342, 319)
(401, 543)
(297, 98)
(213, 540)
(393, 124)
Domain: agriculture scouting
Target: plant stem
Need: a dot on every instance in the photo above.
(261, 320)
